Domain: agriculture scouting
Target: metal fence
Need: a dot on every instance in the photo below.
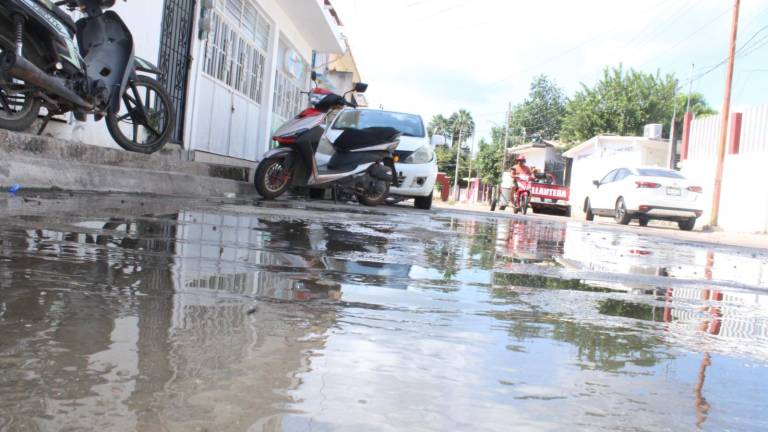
(705, 133)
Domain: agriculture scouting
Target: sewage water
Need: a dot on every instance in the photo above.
(307, 317)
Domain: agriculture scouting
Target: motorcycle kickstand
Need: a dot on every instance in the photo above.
(46, 120)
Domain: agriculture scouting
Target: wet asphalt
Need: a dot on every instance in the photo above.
(137, 313)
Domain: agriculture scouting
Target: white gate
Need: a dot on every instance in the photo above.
(231, 85)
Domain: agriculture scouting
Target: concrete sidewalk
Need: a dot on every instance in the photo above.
(39, 162)
(659, 228)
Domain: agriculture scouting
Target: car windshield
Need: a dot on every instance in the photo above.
(656, 172)
(407, 124)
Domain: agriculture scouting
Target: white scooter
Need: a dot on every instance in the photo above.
(362, 161)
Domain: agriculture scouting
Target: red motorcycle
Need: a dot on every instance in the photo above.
(522, 194)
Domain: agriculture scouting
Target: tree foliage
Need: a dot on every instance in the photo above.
(488, 161)
(541, 113)
(621, 103)
(457, 128)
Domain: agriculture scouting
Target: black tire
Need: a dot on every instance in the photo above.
(493, 205)
(687, 225)
(588, 211)
(524, 203)
(270, 180)
(317, 194)
(621, 215)
(502, 208)
(372, 200)
(157, 125)
(423, 203)
(17, 110)
(643, 222)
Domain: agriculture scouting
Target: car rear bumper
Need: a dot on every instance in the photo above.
(415, 179)
(667, 213)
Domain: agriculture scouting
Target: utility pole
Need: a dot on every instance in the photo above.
(726, 113)
(672, 141)
(456, 192)
(690, 89)
(506, 137)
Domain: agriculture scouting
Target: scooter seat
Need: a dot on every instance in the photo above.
(352, 139)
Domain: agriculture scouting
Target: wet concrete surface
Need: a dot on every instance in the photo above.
(128, 313)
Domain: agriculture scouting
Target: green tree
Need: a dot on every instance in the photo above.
(488, 161)
(439, 125)
(622, 103)
(699, 108)
(462, 126)
(541, 113)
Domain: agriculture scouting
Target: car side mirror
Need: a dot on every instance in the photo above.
(437, 140)
(596, 183)
(361, 87)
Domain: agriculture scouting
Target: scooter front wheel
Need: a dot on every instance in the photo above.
(373, 198)
(272, 178)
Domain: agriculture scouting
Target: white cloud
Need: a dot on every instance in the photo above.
(436, 56)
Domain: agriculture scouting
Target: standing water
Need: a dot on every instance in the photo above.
(123, 315)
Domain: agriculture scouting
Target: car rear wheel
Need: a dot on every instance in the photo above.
(621, 215)
(687, 225)
(588, 211)
(423, 203)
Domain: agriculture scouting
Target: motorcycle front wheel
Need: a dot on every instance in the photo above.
(272, 178)
(145, 119)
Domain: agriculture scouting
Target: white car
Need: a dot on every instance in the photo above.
(645, 193)
(415, 158)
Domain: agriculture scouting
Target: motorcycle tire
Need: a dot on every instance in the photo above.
(22, 114)
(372, 200)
(162, 110)
(524, 204)
(493, 205)
(265, 177)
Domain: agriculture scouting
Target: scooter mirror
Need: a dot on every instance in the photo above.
(361, 87)
(313, 76)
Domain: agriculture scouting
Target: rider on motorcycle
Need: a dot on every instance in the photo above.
(520, 168)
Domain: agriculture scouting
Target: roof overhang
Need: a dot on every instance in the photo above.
(316, 23)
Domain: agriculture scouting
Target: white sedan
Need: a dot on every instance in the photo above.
(415, 159)
(645, 193)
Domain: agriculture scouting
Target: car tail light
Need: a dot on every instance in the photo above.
(647, 185)
(644, 208)
(696, 189)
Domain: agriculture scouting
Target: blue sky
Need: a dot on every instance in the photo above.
(436, 56)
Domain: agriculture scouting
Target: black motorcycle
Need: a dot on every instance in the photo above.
(40, 66)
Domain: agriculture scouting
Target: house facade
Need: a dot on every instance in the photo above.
(235, 69)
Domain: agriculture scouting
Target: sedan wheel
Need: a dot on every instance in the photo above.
(621, 216)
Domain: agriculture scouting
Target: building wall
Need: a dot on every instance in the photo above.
(744, 196)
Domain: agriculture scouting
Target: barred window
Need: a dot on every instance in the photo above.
(234, 58)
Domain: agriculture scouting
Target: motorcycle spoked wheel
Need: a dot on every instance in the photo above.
(272, 178)
(146, 118)
(524, 200)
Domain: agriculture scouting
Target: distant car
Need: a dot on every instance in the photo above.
(645, 193)
(415, 159)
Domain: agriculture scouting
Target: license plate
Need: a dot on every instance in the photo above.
(673, 191)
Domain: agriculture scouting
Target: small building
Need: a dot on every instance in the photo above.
(594, 158)
(543, 155)
(234, 71)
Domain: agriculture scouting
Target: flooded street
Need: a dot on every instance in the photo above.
(127, 313)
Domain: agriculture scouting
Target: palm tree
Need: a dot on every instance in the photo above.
(462, 123)
(439, 125)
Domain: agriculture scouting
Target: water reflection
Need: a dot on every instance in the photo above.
(205, 319)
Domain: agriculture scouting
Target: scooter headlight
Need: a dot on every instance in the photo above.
(423, 155)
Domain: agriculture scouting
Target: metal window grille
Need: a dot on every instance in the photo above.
(178, 16)
(233, 58)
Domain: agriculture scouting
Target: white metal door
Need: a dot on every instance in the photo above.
(230, 89)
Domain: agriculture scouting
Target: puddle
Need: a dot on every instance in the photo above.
(199, 316)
